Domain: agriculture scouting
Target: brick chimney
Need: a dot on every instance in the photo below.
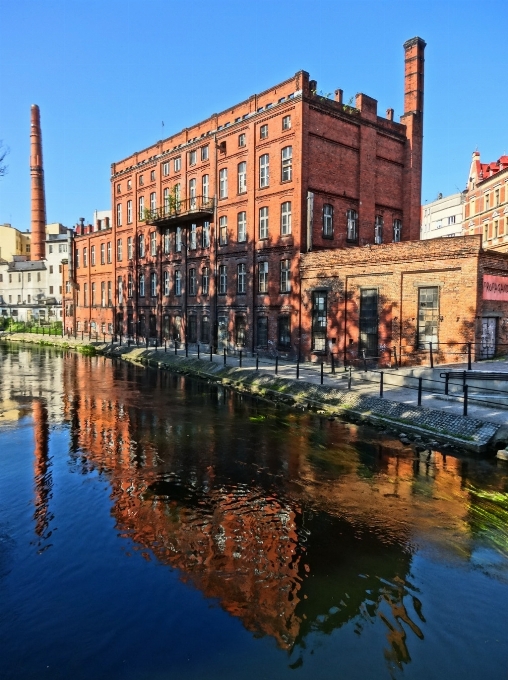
(38, 198)
(413, 120)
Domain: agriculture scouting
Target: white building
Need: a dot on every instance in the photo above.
(31, 290)
(442, 217)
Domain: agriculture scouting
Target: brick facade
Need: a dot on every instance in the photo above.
(304, 173)
(397, 273)
(486, 202)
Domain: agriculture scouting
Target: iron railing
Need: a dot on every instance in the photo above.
(178, 209)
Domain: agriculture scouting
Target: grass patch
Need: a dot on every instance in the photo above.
(87, 350)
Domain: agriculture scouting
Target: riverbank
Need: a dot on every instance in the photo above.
(428, 427)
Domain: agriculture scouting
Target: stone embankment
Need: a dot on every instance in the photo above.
(426, 426)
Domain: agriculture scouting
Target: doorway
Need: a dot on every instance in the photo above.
(488, 339)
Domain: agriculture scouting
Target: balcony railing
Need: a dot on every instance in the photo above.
(179, 210)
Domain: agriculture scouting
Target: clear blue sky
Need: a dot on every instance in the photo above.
(106, 73)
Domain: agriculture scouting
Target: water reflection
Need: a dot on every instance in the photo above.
(296, 525)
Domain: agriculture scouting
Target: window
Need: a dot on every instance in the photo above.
(129, 248)
(369, 321)
(103, 293)
(110, 294)
(153, 201)
(242, 177)
(30, 297)
(103, 256)
(119, 288)
(141, 180)
(129, 184)
(204, 186)
(119, 215)
(319, 303)
(264, 170)
(153, 284)
(118, 188)
(486, 231)
(352, 226)
(141, 285)
(178, 164)
(205, 330)
(29, 277)
(130, 286)
(178, 240)
(205, 280)
(223, 279)
(496, 197)
(153, 243)
(242, 226)
(192, 281)
(50, 291)
(50, 249)
(141, 245)
(428, 316)
(397, 230)
(285, 284)
(141, 205)
(223, 183)
(285, 218)
(205, 235)
(286, 123)
(378, 230)
(178, 282)
(77, 258)
(241, 278)
(129, 212)
(119, 250)
(51, 266)
(223, 231)
(165, 169)
(152, 176)
(165, 279)
(263, 132)
(192, 194)
(327, 220)
(192, 157)
(496, 228)
(451, 219)
(263, 223)
(193, 237)
(193, 328)
(262, 331)
(204, 153)
(241, 139)
(286, 163)
(263, 277)
(92, 256)
(240, 331)
(108, 250)
(284, 332)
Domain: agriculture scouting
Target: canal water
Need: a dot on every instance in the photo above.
(158, 527)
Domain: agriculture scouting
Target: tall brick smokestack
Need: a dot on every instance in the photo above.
(38, 219)
(412, 118)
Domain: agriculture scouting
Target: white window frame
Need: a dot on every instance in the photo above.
(285, 276)
(264, 171)
(129, 212)
(286, 156)
(263, 223)
(327, 220)
(223, 230)
(242, 177)
(241, 270)
(205, 183)
(242, 226)
(285, 218)
(118, 214)
(177, 163)
(223, 279)
(263, 277)
(223, 183)
(153, 284)
(165, 278)
(153, 243)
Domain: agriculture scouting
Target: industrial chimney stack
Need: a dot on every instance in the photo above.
(38, 221)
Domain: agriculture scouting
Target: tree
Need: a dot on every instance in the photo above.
(4, 150)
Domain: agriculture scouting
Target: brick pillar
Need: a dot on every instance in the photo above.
(413, 120)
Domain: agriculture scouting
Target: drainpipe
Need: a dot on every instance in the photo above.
(215, 330)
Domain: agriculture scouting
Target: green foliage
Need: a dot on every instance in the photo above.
(87, 350)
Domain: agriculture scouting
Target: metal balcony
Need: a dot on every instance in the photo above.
(184, 210)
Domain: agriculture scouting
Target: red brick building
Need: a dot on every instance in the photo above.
(209, 224)
(486, 202)
(448, 292)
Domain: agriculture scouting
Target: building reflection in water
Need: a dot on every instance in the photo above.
(292, 524)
